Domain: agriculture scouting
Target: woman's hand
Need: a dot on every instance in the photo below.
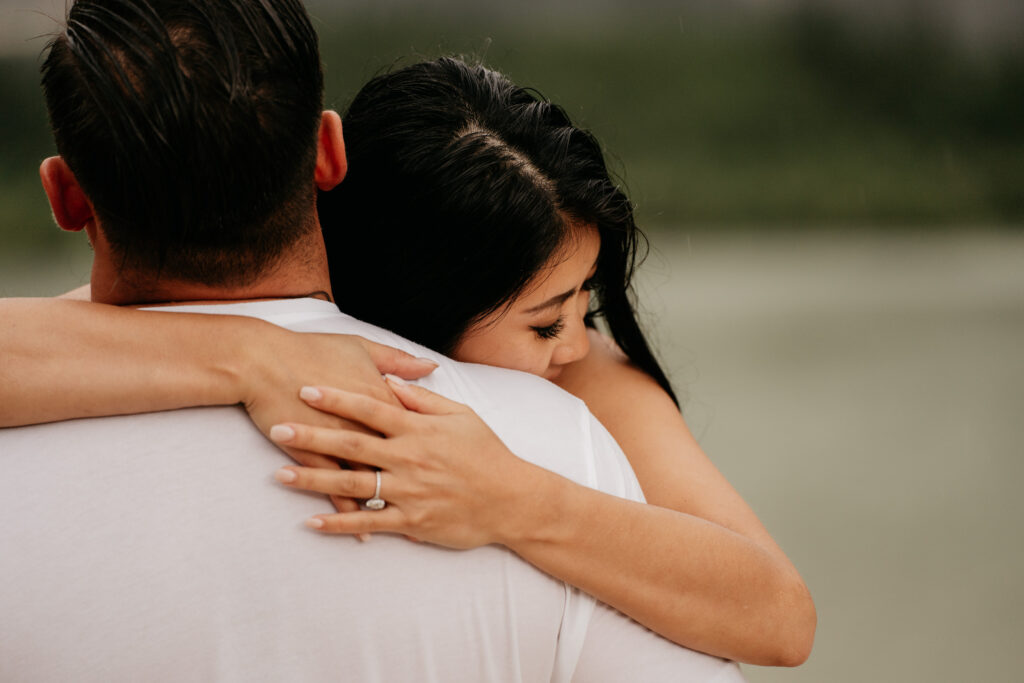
(278, 363)
(282, 362)
(446, 477)
(449, 480)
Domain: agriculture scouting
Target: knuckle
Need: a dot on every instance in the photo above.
(353, 482)
(414, 459)
(348, 441)
(343, 504)
(310, 479)
(399, 453)
(417, 518)
(414, 493)
(371, 407)
(345, 439)
(377, 391)
(334, 525)
(356, 427)
(426, 429)
(378, 522)
(330, 399)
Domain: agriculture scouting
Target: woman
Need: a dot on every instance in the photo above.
(491, 221)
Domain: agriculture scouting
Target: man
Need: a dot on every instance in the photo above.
(155, 547)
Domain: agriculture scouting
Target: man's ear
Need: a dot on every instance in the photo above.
(71, 207)
(331, 164)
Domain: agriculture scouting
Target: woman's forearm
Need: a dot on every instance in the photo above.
(696, 564)
(62, 359)
(66, 359)
(693, 581)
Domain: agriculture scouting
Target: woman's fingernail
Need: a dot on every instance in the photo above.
(315, 523)
(281, 433)
(310, 394)
(363, 537)
(427, 360)
(285, 476)
(395, 380)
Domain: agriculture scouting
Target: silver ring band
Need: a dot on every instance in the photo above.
(376, 503)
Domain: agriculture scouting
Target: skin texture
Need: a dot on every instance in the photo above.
(542, 331)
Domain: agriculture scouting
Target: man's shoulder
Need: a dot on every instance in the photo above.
(484, 387)
(537, 420)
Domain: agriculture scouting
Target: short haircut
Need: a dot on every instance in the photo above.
(192, 126)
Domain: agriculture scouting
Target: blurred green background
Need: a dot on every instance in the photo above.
(797, 117)
(835, 197)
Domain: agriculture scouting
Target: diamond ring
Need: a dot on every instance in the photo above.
(376, 503)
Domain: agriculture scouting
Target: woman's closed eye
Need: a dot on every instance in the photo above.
(550, 331)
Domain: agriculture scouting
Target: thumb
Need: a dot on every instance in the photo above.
(394, 362)
(422, 400)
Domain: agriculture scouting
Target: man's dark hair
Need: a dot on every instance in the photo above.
(465, 186)
(192, 126)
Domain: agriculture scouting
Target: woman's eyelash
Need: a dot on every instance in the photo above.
(550, 331)
(588, 285)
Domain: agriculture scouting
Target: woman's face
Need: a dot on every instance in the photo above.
(543, 328)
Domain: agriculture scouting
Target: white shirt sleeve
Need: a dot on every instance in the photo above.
(619, 649)
(615, 647)
(607, 470)
(612, 471)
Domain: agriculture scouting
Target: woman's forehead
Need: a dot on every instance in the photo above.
(566, 270)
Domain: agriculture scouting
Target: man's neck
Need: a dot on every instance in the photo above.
(156, 303)
(301, 272)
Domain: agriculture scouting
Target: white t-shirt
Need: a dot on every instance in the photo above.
(157, 547)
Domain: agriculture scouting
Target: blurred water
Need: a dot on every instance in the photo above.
(865, 393)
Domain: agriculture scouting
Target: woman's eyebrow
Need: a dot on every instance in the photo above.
(556, 300)
(560, 299)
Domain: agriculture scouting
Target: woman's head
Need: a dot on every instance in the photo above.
(543, 327)
(464, 194)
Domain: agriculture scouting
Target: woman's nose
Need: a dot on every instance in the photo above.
(574, 340)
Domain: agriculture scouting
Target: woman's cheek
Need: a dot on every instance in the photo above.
(534, 356)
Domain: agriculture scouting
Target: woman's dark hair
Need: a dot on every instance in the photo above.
(461, 188)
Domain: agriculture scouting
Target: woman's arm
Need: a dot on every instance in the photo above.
(447, 478)
(65, 359)
(724, 585)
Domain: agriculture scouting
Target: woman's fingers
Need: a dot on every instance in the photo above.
(337, 443)
(353, 483)
(372, 413)
(422, 400)
(311, 459)
(363, 522)
(346, 483)
(307, 459)
(392, 361)
(344, 504)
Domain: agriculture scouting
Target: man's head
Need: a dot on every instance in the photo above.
(189, 130)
